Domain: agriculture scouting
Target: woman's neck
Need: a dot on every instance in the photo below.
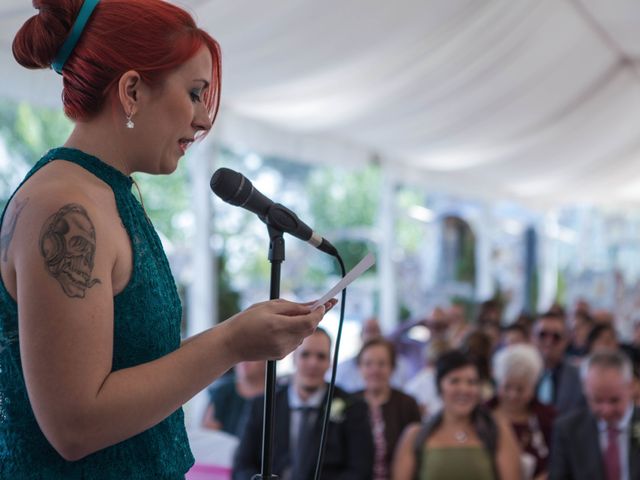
(93, 138)
(378, 396)
(249, 389)
(451, 420)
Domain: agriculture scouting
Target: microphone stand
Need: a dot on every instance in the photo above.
(276, 257)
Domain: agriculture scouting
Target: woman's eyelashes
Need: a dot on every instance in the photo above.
(196, 96)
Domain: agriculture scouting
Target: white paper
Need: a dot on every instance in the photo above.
(362, 266)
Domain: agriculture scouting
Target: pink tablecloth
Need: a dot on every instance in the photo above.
(208, 472)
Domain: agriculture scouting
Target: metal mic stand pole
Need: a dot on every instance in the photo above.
(276, 257)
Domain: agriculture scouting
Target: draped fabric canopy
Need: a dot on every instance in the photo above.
(532, 100)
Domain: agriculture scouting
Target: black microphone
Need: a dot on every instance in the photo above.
(236, 189)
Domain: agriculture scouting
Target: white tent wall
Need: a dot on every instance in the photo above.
(534, 100)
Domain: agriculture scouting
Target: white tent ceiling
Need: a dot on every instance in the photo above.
(533, 100)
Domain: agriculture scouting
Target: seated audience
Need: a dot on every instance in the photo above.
(390, 410)
(348, 375)
(603, 316)
(457, 325)
(603, 336)
(582, 306)
(559, 385)
(489, 321)
(230, 395)
(299, 410)
(526, 320)
(423, 387)
(516, 370)
(635, 340)
(462, 441)
(414, 350)
(514, 334)
(582, 324)
(603, 440)
(635, 389)
(479, 347)
(557, 309)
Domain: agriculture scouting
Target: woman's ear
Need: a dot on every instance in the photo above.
(129, 87)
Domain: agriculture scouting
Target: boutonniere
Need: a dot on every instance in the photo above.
(635, 432)
(337, 410)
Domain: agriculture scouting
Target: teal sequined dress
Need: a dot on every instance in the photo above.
(147, 315)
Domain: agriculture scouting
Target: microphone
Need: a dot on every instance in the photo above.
(236, 189)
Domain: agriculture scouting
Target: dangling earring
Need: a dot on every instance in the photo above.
(129, 123)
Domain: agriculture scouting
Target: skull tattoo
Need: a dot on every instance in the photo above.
(68, 245)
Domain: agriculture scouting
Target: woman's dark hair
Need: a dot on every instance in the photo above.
(450, 361)
(596, 332)
(379, 341)
(583, 317)
(477, 346)
(516, 327)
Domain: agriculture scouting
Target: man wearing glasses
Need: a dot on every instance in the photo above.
(560, 384)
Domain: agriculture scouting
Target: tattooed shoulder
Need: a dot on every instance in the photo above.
(10, 226)
(68, 245)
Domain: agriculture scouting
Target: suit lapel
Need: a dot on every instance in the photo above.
(592, 462)
(313, 447)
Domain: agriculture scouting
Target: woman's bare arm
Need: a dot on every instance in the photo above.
(208, 419)
(404, 461)
(508, 452)
(66, 335)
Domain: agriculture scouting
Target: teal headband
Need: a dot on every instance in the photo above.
(76, 31)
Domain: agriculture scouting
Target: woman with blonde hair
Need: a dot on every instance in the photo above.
(516, 370)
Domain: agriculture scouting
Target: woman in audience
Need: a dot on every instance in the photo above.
(230, 395)
(422, 386)
(479, 346)
(581, 325)
(602, 337)
(463, 440)
(516, 370)
(390, 410)
(513, 334)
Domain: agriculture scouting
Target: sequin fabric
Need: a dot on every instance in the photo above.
(147, 316)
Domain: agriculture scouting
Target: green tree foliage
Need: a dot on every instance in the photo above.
(344, 206)
(228, 298)
(27, 132)
(30, 131)
(341, 198)
(166, 199)
(409, 231)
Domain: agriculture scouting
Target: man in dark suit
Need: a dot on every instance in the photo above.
(601, 442)
(560, 384)
(299, 413)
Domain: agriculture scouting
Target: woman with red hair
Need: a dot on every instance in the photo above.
(92, 370)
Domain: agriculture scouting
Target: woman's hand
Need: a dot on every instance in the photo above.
(271, 330)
